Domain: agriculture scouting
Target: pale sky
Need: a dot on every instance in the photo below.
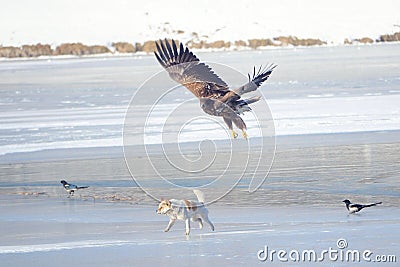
(103, 22)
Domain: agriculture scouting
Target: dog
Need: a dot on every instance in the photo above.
(353, 208)
(185, 210)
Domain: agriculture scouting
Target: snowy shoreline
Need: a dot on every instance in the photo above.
(120, 49)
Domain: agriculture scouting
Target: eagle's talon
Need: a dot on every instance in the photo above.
(244, 134)
(234, 134)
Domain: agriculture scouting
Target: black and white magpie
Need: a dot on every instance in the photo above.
(353, 208)
(71, 188)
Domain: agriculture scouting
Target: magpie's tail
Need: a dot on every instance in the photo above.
(373, 204)
(82, 187)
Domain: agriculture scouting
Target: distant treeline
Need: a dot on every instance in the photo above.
(80, 49)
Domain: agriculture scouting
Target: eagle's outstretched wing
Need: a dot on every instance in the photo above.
(254, 82)
(258, 78)
(185, 68)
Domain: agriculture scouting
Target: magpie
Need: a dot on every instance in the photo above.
(71, 188)
(353, 208)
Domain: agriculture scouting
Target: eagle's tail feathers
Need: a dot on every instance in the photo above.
(252, 99)
(243, 105)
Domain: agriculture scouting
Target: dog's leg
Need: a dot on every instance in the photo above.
(200, 223)
(187, 221)
(205, 218)
(199, 220)
(171, 222)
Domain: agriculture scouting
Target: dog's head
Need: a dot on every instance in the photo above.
(164, 206)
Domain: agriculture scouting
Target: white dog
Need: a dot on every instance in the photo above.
(185, 210)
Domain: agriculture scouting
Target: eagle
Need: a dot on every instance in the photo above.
(215, 97)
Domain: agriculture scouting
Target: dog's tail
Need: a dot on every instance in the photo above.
(200, 195)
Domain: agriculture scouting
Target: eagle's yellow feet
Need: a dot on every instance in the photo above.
(244, 134)
(234, 134)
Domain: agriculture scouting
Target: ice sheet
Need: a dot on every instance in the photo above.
(44, 231)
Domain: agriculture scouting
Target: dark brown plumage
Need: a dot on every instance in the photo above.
(214, 94)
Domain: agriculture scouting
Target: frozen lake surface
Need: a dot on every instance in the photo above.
(78, 103)
(45, 231)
